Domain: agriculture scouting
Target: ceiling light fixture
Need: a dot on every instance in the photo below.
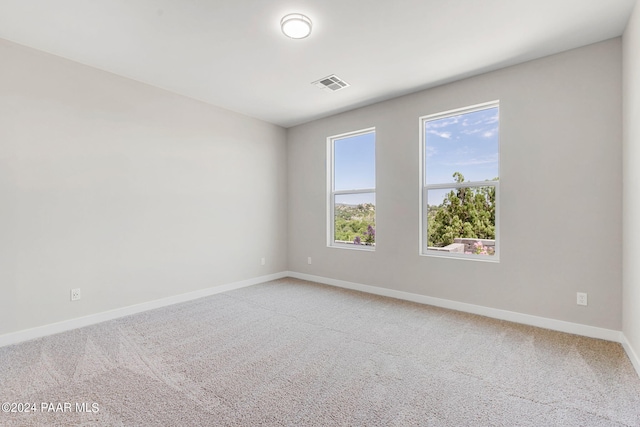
(296, 26)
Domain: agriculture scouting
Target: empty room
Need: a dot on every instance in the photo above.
(320, 213)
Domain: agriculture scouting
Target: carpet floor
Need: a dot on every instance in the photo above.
(296, 353)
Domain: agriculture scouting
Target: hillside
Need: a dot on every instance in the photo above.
(353, 221)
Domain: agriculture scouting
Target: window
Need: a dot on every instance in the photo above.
(460, 183)
(352, 190)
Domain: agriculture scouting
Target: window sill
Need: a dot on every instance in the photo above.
(482, 258)
(353, 247)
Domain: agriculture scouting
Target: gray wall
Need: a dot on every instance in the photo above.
(560, 191)
(132, 193)
(631, 177)
(126, 191)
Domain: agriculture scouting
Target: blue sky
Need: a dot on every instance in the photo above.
(466, 143)
(355, 160)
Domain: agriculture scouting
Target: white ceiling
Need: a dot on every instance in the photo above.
(231, 53)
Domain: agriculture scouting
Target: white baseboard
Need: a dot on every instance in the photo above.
(633, 356)
(54, 328)
(511, 316)
(542, 322)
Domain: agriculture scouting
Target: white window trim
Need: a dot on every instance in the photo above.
(424, 187)
(331, 192)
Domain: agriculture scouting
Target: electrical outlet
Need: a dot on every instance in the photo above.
(582, 298)
(263, 261)
(75, 294)
(308, 260)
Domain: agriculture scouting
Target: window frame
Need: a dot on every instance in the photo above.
(425, 187)
(332, 193)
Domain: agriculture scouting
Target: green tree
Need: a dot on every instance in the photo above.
(353, 221)
(464, 212)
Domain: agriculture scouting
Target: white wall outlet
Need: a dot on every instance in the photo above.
(308, 260)
(75, 294)
(582, 298)
(263, 261)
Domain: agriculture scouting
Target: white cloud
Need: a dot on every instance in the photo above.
(446, 135)
(492, 119)
(467, 122)
(490, 133)
(436, 124)
(492, 158)
(430, 151)
(471, 131)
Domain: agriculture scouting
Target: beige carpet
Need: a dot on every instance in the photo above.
(294, 353)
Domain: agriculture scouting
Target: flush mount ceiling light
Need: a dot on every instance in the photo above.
(296, 26)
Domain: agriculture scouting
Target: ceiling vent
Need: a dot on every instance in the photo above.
(331, 83)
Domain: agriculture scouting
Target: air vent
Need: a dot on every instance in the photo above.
(331, 83)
